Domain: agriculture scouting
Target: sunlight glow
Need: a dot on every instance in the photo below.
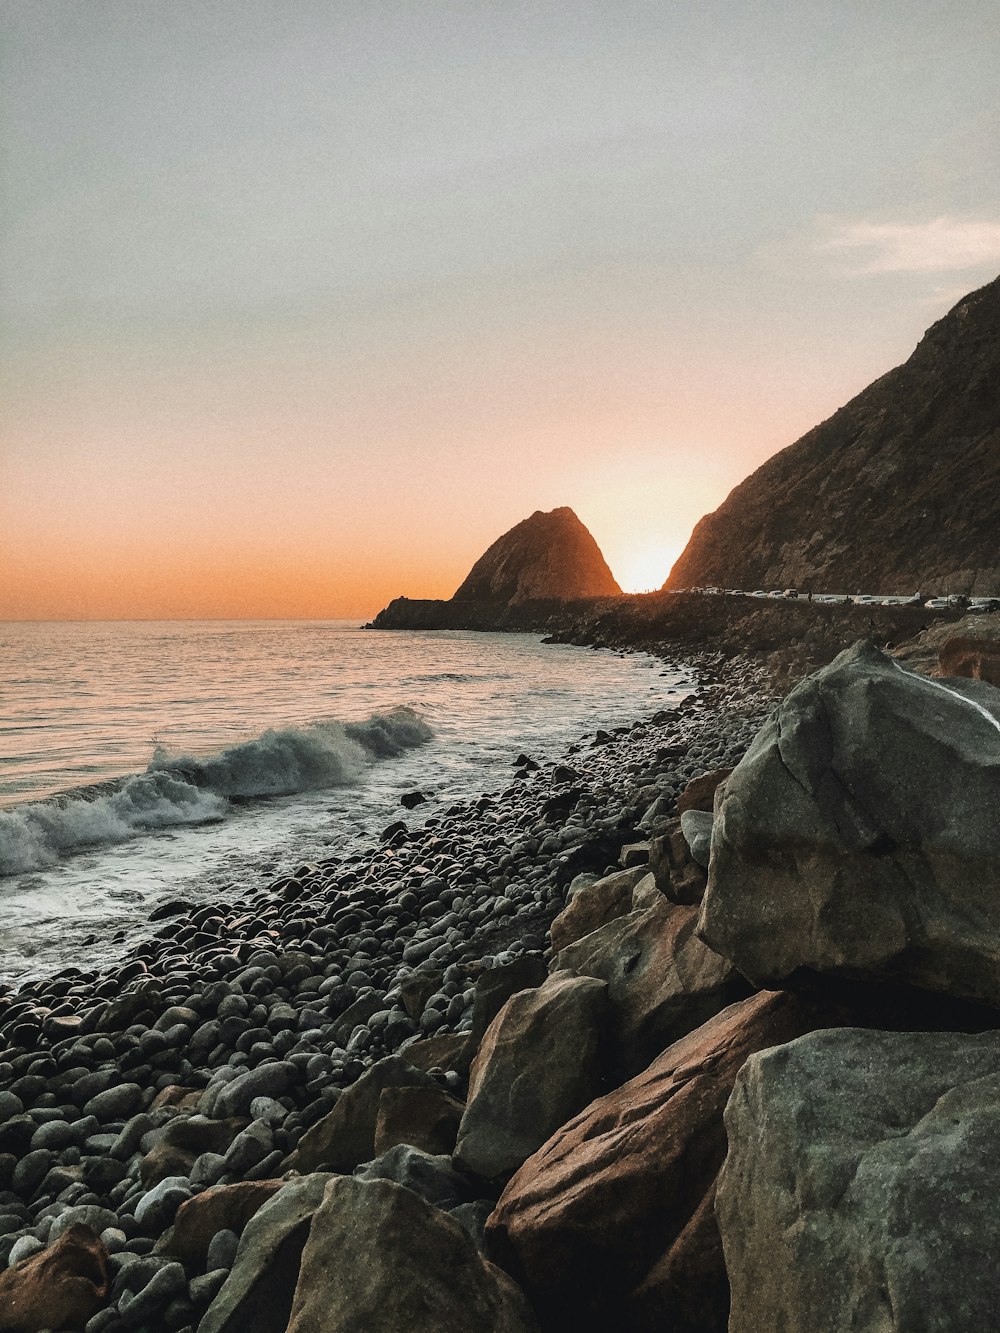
(647, 567)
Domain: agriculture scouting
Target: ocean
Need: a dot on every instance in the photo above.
(146, 761)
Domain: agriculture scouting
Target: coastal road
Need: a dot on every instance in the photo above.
(945, 603)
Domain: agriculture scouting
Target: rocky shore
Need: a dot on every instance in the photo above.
(789, 638)
(251, 1052)
(695, 1029)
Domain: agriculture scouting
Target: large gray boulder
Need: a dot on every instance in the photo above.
(860, 1190)
(663, 981)
(540, 1062)
(258, 1292)
(859, 835)
(381, 1259)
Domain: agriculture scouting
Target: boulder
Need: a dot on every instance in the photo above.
(861, 1184)
(610, 1224)
(539, 1063)
(184, 1140)
(696, 825)
(381, 1259)
(445, 1050)
(594, 905)
(657, 816)
(224, 1208)
(678, 875)
(271, 1079)
(978, 659)
(662, 980)
(923, 652)
(60, 1287)
(858, 836)
(416, 988)
(496, 985)
(258, 1292)
(425, 1118)
(699, 794)
(431, 1176)
(634, 854)
(345, 1137)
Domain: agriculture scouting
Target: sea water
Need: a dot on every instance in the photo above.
(142, 761)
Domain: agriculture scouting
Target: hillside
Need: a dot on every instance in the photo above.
(898, 490)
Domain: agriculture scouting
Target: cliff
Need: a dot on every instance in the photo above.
(898, 490)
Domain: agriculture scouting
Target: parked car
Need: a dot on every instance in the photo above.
(938, 604)
(790, 592)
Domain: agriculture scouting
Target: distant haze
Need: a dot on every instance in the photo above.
(303, 304)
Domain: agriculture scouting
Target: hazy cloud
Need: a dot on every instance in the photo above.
(942, 245)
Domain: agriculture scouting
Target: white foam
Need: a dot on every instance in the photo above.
(185, 790)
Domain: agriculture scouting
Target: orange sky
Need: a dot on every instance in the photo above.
(302, 311)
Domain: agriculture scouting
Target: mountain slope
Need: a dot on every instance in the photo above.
(899, 489)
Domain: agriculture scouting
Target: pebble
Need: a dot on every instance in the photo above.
(267, 1080)
(115, 1103)
(167, 1283)
(222, 1250)
(23, 1248)
(155, 1210)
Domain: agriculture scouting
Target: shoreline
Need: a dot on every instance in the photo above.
(790, 638)
(292, 993)
(53, 913)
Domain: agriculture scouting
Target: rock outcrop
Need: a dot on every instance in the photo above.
(539, 566)
(549, 556)
(859, 837)
(898, 490)
(861, 1184)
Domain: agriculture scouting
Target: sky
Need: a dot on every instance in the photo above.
(303, 304)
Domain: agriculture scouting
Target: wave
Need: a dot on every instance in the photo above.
(179, 789)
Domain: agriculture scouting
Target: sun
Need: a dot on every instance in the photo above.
(645, 568)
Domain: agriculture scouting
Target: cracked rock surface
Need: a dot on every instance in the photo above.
(861, 1184)
(859, 835)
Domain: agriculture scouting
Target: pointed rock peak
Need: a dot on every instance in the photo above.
(549, 556)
